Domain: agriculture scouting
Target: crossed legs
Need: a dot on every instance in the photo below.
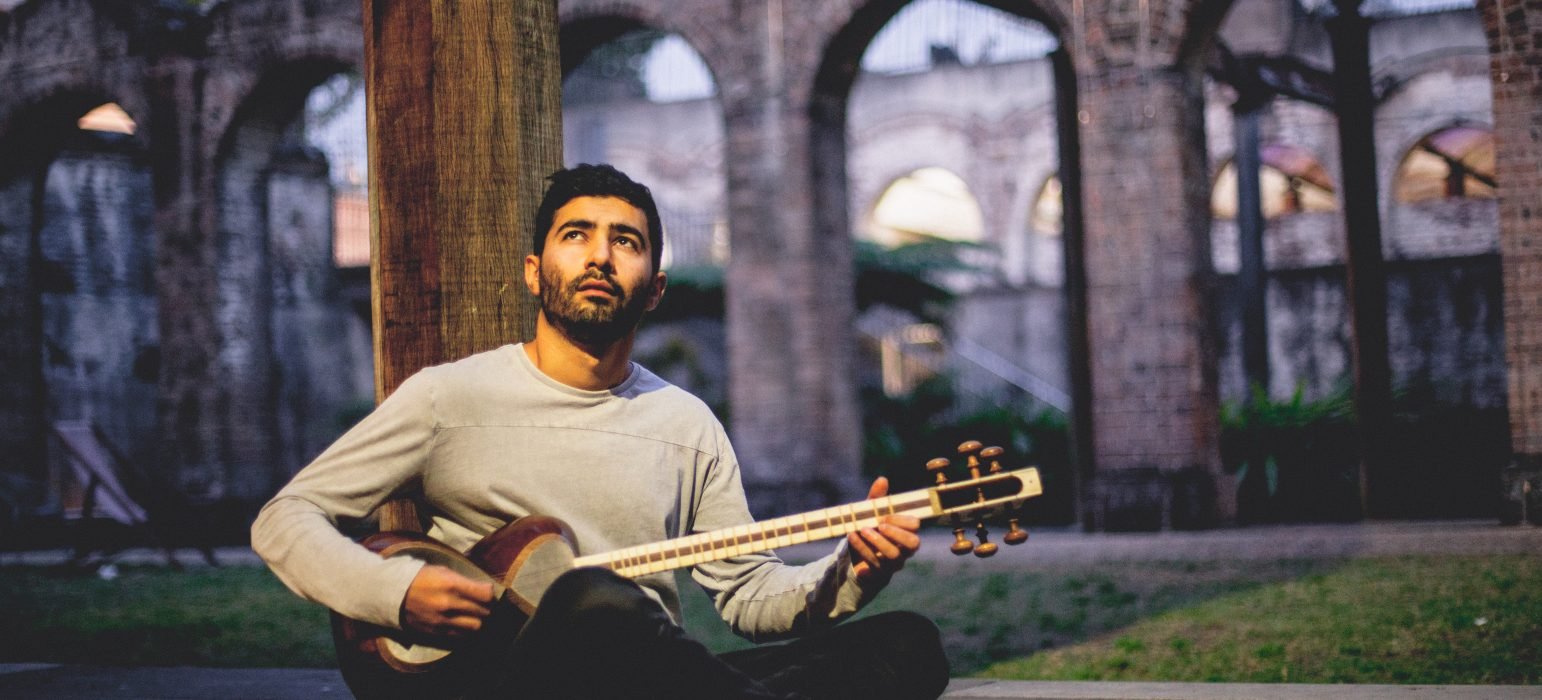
(597, 635)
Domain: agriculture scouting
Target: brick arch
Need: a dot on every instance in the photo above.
(869, 199)
(35, 132)
(273, 102)
(86, 48)
(1407, 130)
(1425, 129)
(585, 26)
(40, 122)
(1397, 74)
(325, 35)
(1201, 22)
(245, 398)
(63, 58)
(866, 199)
(1409, 137)
(1412, 226)
(836, 73)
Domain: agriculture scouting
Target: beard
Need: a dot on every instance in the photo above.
(589, 323)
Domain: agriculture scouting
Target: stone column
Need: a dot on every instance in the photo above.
(21, 371)
(184, 218)
(795, 421)
(1154, 388)
(1516, 60)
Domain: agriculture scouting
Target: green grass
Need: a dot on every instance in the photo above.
(1403, 620)
(231, 616)
(991, 614)
(1407, 620)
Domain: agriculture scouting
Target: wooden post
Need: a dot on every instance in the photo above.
(1349, 33)
(1252, 272)
(464, 113)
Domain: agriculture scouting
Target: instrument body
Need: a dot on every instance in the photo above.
(520, 559)
(523, 558)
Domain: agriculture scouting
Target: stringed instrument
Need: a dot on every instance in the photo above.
(523, 558)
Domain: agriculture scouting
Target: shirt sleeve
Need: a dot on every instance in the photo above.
(760, 597)
(297, 532)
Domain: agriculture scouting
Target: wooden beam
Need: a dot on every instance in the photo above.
(464, 114)
(1349, 34)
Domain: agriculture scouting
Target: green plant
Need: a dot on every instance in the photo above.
(905, 277)
(1269, 443)
(694, 292)
(901, 433)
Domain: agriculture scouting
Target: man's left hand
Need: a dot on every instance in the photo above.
(878, 552)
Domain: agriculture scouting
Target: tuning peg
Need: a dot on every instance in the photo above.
(991, 453)
(961, 544)
(986, 547)
(1015, 534)
(939, 466)
(968, 449)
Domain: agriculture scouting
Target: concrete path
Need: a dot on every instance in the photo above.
(1071, 546)
(48, 682)
(1082, 690)
(1046, 547)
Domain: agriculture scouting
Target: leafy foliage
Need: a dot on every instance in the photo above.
(693, 292)
(1282, 451)
(906, 277)
(902, 433)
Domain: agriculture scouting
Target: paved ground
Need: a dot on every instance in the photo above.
(1070, 546)
(55, 682)
(46, 682)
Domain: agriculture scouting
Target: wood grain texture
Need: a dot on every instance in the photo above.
(464, 117)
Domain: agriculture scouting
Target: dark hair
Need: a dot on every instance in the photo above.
(585, 180)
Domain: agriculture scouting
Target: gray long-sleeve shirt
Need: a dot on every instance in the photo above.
(491, 438)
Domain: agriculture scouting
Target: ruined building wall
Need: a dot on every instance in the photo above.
(1143, 283)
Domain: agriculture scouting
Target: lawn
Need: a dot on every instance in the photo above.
(1407, 620)
(1403, 620)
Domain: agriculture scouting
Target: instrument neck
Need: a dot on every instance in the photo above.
(785, 531)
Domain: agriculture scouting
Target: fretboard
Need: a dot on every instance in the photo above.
(716, 545)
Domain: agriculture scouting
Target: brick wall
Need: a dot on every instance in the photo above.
(784, 72)
(1512, 27)
(96, 256)
(21, 371)
(1148, 288)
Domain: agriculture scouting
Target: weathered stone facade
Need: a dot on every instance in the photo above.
(1515, 64)
(215, 93)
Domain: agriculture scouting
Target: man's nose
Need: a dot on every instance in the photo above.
(599, 253)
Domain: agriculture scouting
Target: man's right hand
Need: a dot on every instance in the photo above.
(443, 603)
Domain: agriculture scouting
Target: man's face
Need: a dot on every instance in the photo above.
(595, 276)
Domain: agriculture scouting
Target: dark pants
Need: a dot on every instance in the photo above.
(597, 635)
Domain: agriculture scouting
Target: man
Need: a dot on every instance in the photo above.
(567, 426)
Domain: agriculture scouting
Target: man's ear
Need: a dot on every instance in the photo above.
(656, 289)
(533, 274)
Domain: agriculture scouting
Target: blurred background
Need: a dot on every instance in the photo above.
(1119, 239)
(1268, 266)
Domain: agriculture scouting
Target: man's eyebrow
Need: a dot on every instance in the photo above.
(627, 228)
(584, 224)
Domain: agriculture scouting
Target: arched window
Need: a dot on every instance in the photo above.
(334, 124)
(1292, 181)
(927, 204)
(109, 118)
(1456, 162)
(1048, 209)
(646, 102)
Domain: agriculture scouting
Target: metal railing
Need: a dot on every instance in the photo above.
(976, 370)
